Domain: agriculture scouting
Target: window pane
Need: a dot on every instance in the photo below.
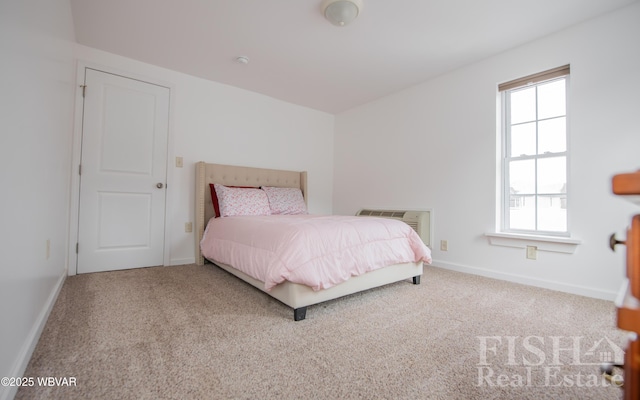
(552, 135)
(522, 213)
(522, 179)
(552, 175)
(552, 213)
(523, 139)
(523, 105)
(551, 99)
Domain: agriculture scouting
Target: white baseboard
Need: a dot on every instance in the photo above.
(31, 340)
(183, 261)
(525, 280)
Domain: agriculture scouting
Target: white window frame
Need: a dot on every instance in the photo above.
(538, 79)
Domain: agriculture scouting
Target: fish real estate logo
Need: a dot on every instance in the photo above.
(553, 361)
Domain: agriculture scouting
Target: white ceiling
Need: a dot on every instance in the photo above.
(298, 56)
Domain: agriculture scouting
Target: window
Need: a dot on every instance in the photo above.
(535, 154)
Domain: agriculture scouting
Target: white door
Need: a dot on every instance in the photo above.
(123, 173)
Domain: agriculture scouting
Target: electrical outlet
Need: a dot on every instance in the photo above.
(48, 252)
(179, 162)
(444, 245)
(532, 252)
(188, 227)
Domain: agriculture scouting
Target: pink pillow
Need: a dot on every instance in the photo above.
(214, 197)
(237, 201)
(288, 201)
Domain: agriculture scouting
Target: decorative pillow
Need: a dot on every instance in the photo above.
(241, 201)
(214, 197)
(287, 201)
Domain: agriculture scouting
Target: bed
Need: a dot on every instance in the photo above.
(295, 295)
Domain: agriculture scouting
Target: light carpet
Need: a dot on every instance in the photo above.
(190, 332)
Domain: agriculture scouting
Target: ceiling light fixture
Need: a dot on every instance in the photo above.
(341, 12)
(242, 60)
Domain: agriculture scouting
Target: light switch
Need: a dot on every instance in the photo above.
(179, 162)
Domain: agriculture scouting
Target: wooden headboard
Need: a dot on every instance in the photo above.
(231, 175)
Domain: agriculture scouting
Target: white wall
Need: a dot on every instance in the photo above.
(434, 146)
(217, 123)
(36, 116)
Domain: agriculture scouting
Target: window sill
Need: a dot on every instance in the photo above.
(543, 243)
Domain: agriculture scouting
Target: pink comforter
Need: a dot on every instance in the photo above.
(317, 251)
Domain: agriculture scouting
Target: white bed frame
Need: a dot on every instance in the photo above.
(294, 295)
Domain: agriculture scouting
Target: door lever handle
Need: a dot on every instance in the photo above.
(607, 370)
(613, 242)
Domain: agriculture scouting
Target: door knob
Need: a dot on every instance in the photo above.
(159, 185)
(606, 370)
(613, 241)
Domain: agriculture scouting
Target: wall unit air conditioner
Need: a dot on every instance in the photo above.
(420, 221)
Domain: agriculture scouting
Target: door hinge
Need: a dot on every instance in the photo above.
(84, 90)
(77, 247)
(80, 169)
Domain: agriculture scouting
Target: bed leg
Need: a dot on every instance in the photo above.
(416, 280)
(299, 313)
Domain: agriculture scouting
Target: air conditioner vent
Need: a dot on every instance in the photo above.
(413, 224)
(382, 213)
(420, 221)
